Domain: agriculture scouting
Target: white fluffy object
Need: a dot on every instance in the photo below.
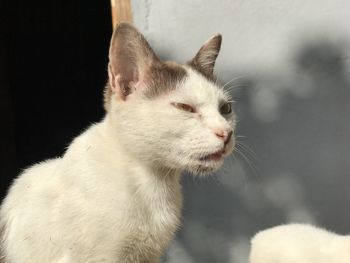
(299, 243)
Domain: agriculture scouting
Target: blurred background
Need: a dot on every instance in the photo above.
(285, 62)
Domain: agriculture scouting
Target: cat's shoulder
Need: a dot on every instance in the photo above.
(44, 168)
(31, 179)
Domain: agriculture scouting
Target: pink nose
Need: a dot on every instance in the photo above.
(224, 135)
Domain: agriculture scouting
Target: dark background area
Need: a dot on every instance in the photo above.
(53, 57)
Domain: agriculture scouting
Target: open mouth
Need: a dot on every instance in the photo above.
(216, 156)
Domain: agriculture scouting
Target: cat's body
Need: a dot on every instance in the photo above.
(77, 218)
(115, 195)
(299, 243)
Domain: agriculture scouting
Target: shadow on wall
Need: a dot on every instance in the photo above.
(298, 126)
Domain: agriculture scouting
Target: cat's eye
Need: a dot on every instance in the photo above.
(226, 108)
(184, 107)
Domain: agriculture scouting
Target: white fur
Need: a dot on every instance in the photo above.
(115, 195)
(299, 243)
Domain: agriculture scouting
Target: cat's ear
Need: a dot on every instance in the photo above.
(205, 58)
(130, 60)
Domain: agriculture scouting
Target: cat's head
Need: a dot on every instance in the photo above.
(164, 113)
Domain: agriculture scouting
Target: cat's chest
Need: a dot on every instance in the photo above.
(156, 213)
(152, 220)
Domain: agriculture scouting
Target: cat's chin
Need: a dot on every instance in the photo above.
(204, 167)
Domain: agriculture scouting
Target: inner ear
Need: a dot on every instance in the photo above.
(130, 60)
(204, 61)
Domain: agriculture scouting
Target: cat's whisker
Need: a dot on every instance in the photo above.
(250, 164)
(235, 85)
(230, 89)
(233, 79)
(246, 154)
(247, 149)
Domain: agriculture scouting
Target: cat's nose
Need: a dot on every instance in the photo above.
(224, 135)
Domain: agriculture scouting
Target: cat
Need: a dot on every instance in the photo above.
(299, 243)
(115, 195)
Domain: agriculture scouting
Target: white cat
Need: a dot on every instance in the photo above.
(299, 243)
(115, 195)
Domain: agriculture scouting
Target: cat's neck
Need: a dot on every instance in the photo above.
(113, 139)
(156, 184)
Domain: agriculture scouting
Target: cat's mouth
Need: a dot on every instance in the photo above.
(216, 156)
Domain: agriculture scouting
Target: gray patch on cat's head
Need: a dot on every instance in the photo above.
(131, 54)
(164, 77)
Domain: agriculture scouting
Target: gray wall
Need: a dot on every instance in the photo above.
(289, 61)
